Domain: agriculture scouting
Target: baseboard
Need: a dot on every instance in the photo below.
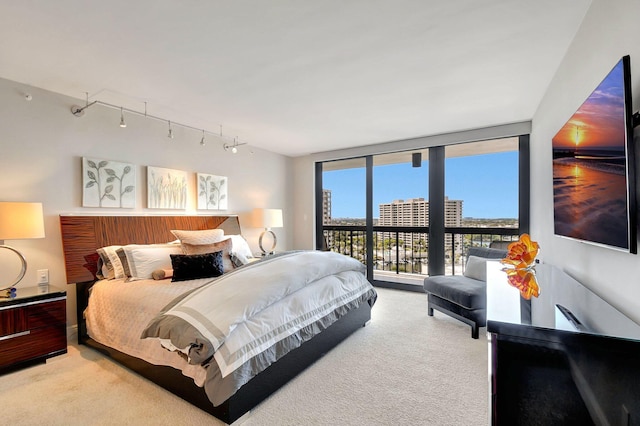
(72, 333)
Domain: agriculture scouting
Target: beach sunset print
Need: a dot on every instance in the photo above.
(590, 169)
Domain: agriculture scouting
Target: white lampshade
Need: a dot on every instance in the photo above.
(21, 220)
(267, 218)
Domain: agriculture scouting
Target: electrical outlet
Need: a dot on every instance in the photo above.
(43, 276)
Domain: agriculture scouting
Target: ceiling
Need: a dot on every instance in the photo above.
(297, 77)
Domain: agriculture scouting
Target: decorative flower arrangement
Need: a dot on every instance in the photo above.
(520, 262)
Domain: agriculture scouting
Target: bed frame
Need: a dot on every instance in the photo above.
(82, 235)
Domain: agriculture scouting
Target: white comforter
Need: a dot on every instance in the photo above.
(246, 311)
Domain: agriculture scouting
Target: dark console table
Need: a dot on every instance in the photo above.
(566, 357)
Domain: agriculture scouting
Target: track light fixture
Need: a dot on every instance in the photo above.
(79, 111)
(233, 148)
(122, 123)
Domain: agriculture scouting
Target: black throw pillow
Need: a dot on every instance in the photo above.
(194, 266)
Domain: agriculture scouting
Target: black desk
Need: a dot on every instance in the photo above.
(549, 367)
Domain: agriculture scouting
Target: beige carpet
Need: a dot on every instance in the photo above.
(404, 368)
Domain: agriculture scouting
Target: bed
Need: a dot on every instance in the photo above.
(214, 370)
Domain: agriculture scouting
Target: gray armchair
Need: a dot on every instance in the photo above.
(464, 297)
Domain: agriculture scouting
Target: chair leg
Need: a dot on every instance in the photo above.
(474, 331)
(430, 311)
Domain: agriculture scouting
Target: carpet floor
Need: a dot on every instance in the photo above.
(404, 368)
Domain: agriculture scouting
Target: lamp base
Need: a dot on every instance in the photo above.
(8, 293)
(24, 267)
(273, 246)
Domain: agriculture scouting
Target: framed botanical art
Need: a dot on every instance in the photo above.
(212, 192)
(166, 188)
(107, 183)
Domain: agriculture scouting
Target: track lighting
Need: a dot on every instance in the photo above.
(79, 111)
(233, 148)
(122, 123)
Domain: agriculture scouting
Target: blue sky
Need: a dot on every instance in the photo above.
(600, 120)
(488, 185)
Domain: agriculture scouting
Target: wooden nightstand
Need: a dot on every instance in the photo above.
(33, 326)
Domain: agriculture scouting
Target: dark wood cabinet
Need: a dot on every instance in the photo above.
(33, 326)
(566, 357)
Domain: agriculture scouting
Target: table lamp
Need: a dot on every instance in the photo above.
(20, 221)
(267, 219)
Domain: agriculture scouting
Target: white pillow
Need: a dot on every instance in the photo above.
(144, 259)
(112, 262)
(476, 268)
(206, 236)
(106, 274)
(240, 249)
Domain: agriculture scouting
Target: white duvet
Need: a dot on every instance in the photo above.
(247, 311)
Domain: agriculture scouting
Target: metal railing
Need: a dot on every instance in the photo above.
(475, 237)
(405, 249)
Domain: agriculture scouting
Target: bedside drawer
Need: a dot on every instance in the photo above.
(35, 344)
(12, 321)
(33, 326)
(46, 314)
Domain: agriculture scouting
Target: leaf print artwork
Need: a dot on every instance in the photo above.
(212, 192)
(108, 183)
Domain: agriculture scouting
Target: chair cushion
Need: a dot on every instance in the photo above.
(489, 253)
(476, 268)
(464, 291)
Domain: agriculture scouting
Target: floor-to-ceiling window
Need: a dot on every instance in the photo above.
(481, 197)
(344, 209)
(401, 216)
(412, 213)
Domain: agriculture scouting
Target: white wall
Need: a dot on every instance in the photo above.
(609, 31)
(41, 146)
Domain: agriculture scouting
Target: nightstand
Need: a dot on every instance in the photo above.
(33, 325)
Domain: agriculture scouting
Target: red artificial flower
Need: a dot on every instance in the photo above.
(522, 253)
(520, 259)
(524, 280)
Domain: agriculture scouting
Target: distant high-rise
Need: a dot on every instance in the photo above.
(326, 206)
(326, 217)
(415, 212)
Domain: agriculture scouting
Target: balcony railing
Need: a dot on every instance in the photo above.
(405, 250)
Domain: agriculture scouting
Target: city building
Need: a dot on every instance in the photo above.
(326, 206)
(326, 216)
(415, 212)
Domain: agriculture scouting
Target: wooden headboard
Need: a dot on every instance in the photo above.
(82, 235)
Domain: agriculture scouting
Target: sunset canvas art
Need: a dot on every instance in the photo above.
(591, 170)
